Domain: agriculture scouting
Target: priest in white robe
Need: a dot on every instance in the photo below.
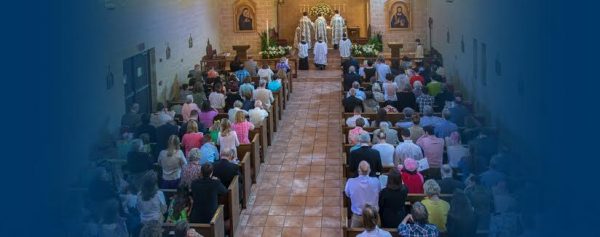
(307, 28)
(338, 28)
(419, 54)
(297, 37)
(321, 28)
(345, 47)
(320, 52)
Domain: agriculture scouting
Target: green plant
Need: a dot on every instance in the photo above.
(377, 41)
(264, 45)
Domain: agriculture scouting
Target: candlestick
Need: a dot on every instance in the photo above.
(267, 32)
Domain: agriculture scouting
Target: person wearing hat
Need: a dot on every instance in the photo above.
(365, 153)
(411, 176)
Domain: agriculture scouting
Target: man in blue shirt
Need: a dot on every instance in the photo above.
(359, 93)
(428, 118)
(444, 128)
(242, 73)
(208, 152)
(382, 69)
(362, 190)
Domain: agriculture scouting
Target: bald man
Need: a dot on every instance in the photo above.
(362, 190)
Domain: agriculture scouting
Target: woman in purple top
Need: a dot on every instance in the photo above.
(207, 114)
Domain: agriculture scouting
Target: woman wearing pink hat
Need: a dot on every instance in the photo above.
(411, 176)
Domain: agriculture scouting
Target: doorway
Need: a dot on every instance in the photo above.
(139, 80)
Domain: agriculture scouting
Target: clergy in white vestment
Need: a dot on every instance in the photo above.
(297, 36)
(321, 28)
(307, 28)
(419, 54)
(338, 28)
(303, 55)
(320, 52)
(345, 47)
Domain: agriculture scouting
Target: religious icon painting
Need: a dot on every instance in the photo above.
(399, 15)
(244, 16)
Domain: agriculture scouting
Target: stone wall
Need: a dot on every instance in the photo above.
(379, 23)
(265, 9)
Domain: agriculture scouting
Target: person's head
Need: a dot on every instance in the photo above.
(389, 77)
(225, 127)
(419, 213)
(418, 41)
(408, 112)
(238, 104)
(152, 229)
(370, 63)
(384, 126)
(189, 99)
(394, 180)
(160, 106)
(370, 217)
(446, 113)
(416, 119)
(206, 170)
(398, 10)
(305, 13)
(380, 59)
(265, 66)
(446, 171)
(360, 122)
(336, 12)
(411, 164)
(364, 168)
(194, 114)
(250, 58)
(405, 133)
(351, 69)
(149, 186)
(428, 110)
(228, 154)
(247, 95)
(184, 86)
(355, 85)
(432, 188)
(357, 110)
(429, 130)
(137, 145)
(262, 83)
(206, 106)
(181, 228)
(135, 108)
(246, 12)
(352, 92)
(258, 104)
(218, 87)
(192, 126)
(240, 117)
(381, 113)
(364, 138)
(472, 180)
(194, 154)
(381, 135)
(173, 145)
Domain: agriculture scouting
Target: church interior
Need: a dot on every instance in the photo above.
(306, 134)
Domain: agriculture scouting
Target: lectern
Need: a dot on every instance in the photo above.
(396, 47)
(241, 51)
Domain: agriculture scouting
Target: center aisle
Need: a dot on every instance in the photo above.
(298, 192)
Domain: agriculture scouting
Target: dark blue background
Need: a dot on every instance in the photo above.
(47, 46)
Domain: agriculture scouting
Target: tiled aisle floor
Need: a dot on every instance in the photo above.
(298, 192)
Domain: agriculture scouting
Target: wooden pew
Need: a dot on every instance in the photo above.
(216, 227)
(279, 104)
(275, 112)
(246, 172)
(270, 126)
(231, 202)
(254, 149)
(264, 134)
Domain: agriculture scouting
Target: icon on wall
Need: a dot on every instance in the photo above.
(244, 14)
(399, 15)
(190, 42)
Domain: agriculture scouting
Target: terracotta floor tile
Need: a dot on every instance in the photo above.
(313, 211)
(272, 232)
(311, 232)
(291, 232)
(257, 220)
(331, 232)
(293, 221)
(295, 211)
(314, 201)
(277, 210)
(332, 211)
(275, 221)
(311, 221)
(252, 231)
(297, 201)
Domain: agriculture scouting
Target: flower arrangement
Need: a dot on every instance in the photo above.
(320, 8)
(367, 50)
(275, 52)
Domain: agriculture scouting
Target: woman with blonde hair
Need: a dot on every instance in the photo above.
(242, 127)
(172, 161)
(193, 138)
(228, 139)
(187, 108)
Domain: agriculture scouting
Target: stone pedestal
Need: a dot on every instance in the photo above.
(241, 51)
(396, 47)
